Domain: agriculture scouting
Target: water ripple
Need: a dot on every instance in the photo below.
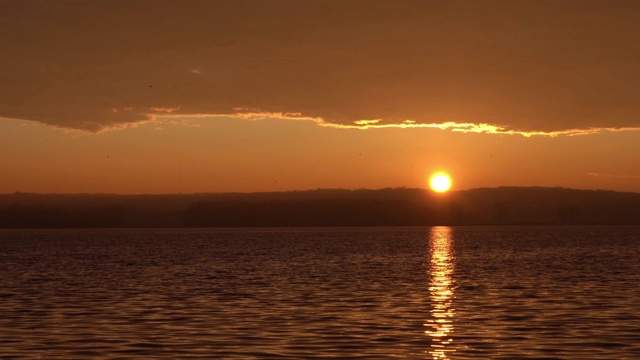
(458, 293)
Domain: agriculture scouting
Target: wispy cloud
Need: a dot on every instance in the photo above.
(617, 176)
(480, 128)
(169, 116)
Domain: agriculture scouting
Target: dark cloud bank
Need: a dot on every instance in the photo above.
(522, 65)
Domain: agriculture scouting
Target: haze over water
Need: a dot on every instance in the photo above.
(413, 293)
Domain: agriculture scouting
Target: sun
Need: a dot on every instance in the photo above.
(440, 182)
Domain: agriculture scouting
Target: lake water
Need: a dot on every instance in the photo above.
(408, 293)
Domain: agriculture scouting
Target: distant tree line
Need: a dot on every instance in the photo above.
(386, 207)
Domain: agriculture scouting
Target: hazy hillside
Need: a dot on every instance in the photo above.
(386, 207)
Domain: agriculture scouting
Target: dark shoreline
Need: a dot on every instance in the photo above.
(323, 208)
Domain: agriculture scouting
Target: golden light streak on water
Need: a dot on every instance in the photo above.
(441, 268)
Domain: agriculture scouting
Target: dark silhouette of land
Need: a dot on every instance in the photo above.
(385, 207)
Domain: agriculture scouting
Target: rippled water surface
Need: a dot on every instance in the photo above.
(418, 293)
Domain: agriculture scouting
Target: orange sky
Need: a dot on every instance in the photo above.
(226, 154)
(215, 96)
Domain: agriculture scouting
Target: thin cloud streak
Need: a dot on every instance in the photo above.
(169, 116)
(481, 128)
(406, 124)
(616, 176)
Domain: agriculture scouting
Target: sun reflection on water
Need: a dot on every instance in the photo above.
(440, 323)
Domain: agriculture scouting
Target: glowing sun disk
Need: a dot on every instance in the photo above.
(440, 182)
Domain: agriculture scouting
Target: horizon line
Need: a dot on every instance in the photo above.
(316, 189)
